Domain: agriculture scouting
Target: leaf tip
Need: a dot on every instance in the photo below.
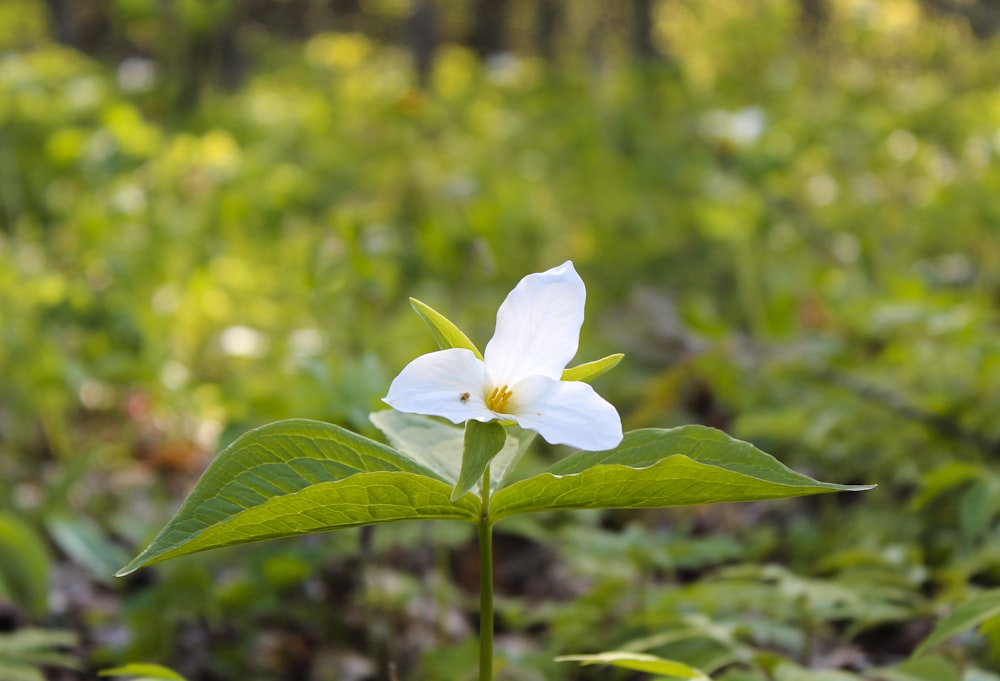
(126, 571)
(591, 370)
(859, 488)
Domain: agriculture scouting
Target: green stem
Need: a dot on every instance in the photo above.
(485, 584)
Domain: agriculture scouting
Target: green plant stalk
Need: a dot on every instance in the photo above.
(485, 584)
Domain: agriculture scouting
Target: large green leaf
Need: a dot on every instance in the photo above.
(299, 477)
(658, 468)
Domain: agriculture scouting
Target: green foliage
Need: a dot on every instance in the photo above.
(982, 607)
(481, 443)
(25, 565)
(591, 370)
(144, 672)
(930, 668)
(24, 653)
(86, 544)
(659, 468)
(639, 662)
(794, 242)
(438, 446)
(445, 333)
(299, 477)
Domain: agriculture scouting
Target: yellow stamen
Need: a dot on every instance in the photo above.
(498, 399)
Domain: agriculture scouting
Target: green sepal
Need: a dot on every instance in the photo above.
(482, 442)
(591, 370)
(445, 333)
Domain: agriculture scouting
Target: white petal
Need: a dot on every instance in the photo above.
(446, 383)
(538, 326)
(566, 413)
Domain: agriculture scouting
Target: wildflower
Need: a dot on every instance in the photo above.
(519, 378)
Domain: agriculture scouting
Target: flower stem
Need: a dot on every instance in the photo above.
(485, 584)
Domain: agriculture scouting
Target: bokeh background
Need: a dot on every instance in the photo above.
(787, 213)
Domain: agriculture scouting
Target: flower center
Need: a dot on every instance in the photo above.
(498, 399)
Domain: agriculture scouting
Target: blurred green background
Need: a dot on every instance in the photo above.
(787, 214)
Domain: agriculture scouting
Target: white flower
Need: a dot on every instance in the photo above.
(518, 379)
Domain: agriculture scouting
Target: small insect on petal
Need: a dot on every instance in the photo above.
(464, 397)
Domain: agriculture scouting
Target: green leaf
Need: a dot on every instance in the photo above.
(591, 370)
(22, 652)
(11, 670)
(973, 613)
(87, 544)
(504, 463)
(445, 333)
(147, 672)
(438, 445)
(428, 442)
(640, 662)
(483, 441)
(697, 626)
(299, 477)
(977, 674)
(945, 480)
(658, 468)
(930, 668)
(24, 564)
(793, 672)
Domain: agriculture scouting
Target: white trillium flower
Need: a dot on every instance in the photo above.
(518, 379)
